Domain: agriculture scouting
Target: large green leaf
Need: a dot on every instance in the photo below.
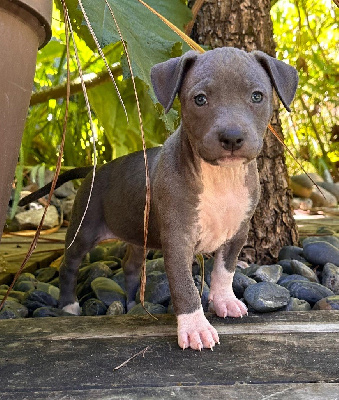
(148, 39)
(125, 137)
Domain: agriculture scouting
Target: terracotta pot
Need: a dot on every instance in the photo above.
(25, 26)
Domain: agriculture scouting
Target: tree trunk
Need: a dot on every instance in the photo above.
(246, 24)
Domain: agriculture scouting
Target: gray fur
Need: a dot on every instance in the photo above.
(204, 155)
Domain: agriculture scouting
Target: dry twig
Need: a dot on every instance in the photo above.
(131, 358)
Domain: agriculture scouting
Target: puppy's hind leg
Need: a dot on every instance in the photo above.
(131, 265)
(74, 254)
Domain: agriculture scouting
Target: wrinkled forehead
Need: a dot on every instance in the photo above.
(227, 67)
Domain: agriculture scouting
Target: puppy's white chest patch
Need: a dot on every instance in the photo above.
(224, 204)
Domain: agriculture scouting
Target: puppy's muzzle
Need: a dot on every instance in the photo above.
(232, 139)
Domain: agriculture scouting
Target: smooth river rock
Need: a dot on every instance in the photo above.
(266, 296)
(320, 253)
(308, 291)
(330, 277)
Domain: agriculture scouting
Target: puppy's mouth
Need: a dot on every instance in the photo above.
(229, 160)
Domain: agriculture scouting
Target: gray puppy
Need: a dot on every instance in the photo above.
(204, 184)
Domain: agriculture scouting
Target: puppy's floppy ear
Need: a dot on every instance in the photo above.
(167, 77)
(284, 78)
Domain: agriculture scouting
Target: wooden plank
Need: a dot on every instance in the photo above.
(14, 248)
(311, 391)
(308, 226)
(83, 364)
(140, 326)
(63, 356)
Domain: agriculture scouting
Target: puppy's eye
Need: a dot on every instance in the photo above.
(200, 100)
(257, 97)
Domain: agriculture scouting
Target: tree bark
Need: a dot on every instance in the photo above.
(246, 24)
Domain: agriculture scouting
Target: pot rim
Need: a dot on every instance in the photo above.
(42, 11)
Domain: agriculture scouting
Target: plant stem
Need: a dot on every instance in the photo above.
(60, 91)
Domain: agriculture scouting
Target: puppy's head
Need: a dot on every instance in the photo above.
(226, 99)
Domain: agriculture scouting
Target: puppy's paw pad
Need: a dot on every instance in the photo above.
(73, 308)
(196, 332)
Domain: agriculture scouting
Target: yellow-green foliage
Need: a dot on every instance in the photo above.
(306, 34)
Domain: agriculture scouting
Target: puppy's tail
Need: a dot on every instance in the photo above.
(75, 173)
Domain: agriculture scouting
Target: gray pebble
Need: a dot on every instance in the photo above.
(119, 278)
(48, 288)
(26, 276)
(83, 272)
(170, 309)
(319, 200)
(93, 307)
(308, 291)
(37, 299)
(333, 188)
(13, 309)
(46, 274)
(86, 297)
(157, 289)
(116, 249)
(155, 265)
(157, 254)
(320, 253)
(266, 296)
(330, 277)
(91, 272)
(97, 254)
(268, 273)
(291, 253)
(283, 281)
(327, 303)
(240, 283)
(116, 308)
(107, 291)
(333, 240)
(251, 270)
(24, 286)
(208, 266)
(18, 296)
(113, 263)
(297, 305)
(286, 266)
(301, 269)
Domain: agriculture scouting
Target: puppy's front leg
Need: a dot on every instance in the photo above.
(222, 298)
(193, 328)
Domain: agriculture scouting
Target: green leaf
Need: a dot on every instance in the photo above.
(148, 39)
(125, 138)
(52, 50)
(76, 18)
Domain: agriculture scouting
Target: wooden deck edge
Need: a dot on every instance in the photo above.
(290, 391)
(245, 329)
(126, 326)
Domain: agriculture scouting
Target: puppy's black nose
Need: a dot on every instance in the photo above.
(231, 139)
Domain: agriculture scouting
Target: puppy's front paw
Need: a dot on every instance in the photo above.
(227, 306)
(196, 332)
